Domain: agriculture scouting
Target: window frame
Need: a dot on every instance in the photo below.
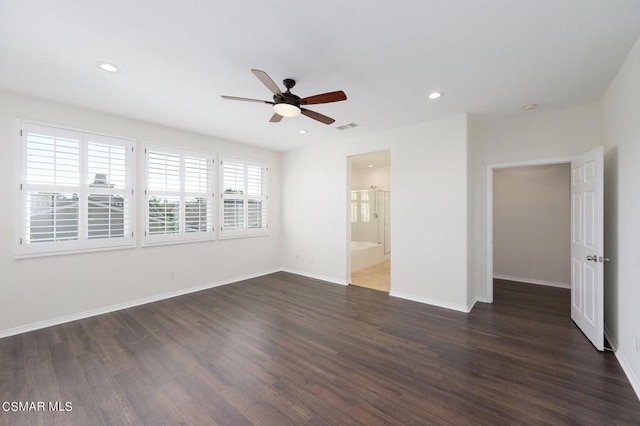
(181, 236)
(83, 243)
(246, 196)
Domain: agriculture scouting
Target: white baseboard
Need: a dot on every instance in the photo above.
(117, 307)
(471, 305)
(476, 300)
(316, 277)
(433, 302)
(626, 367)
(532, 281)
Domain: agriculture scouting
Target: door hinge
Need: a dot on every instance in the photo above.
(145, 233)
(131, 149)
(20, 132)
(20, 241)
(132, 192)
(20, 187)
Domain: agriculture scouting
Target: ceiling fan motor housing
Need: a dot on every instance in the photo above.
(287, 98)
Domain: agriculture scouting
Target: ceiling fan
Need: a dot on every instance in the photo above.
(286, 104)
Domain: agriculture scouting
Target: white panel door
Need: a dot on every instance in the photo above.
(587, 257)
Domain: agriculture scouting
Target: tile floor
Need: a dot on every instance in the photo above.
(377, 277)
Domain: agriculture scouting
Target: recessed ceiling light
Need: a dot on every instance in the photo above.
(530, 107)
(107, 66)
(435, 95)
(302, 131)
(370, 165)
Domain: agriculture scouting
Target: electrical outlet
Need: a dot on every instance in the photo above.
(172, 275)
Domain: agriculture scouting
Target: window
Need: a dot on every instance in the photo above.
(179, 195)
(365, 211)
(76, 190)
(354, 206)
(360, 203)
(244, 197)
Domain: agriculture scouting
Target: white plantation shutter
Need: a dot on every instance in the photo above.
(59, 209)
(243, 186)
(52, 156)
(164, 215)
(256, 196)
(51, 217)
(110, 182)
(198, 202)
(365, 211)
(179, 195)
(51, 167)
(354, 206)
(163, 171)
(233, 195)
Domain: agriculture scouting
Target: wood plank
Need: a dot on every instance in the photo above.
(285, 349)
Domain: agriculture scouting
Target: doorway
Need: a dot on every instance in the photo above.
(532, 224)
(491, 272)
(370, 219)
(586, 235)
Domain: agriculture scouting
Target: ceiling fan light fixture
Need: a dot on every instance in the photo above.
(286, 110)
(435, 95)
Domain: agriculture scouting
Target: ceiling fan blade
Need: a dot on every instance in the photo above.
(275, 118)
(267, 81)
(235, 98)
(317, 116)
(324, 98)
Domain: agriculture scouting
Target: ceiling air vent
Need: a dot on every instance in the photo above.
(347, 126)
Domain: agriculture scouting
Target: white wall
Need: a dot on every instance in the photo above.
(531, 224)
(621, 106)
(529, 136)
(429, 209)
(41, 289)
(375, 176)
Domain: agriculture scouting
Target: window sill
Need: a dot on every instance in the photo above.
(235, 236)
(175, 242)
(71, 252)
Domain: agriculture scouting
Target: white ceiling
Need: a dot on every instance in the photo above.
(177, 58)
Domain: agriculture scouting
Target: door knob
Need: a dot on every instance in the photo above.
(603, 259)
(592, 258)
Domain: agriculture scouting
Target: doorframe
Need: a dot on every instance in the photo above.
(348, 207)
(489, 218)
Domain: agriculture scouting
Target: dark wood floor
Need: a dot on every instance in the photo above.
(283, 349)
